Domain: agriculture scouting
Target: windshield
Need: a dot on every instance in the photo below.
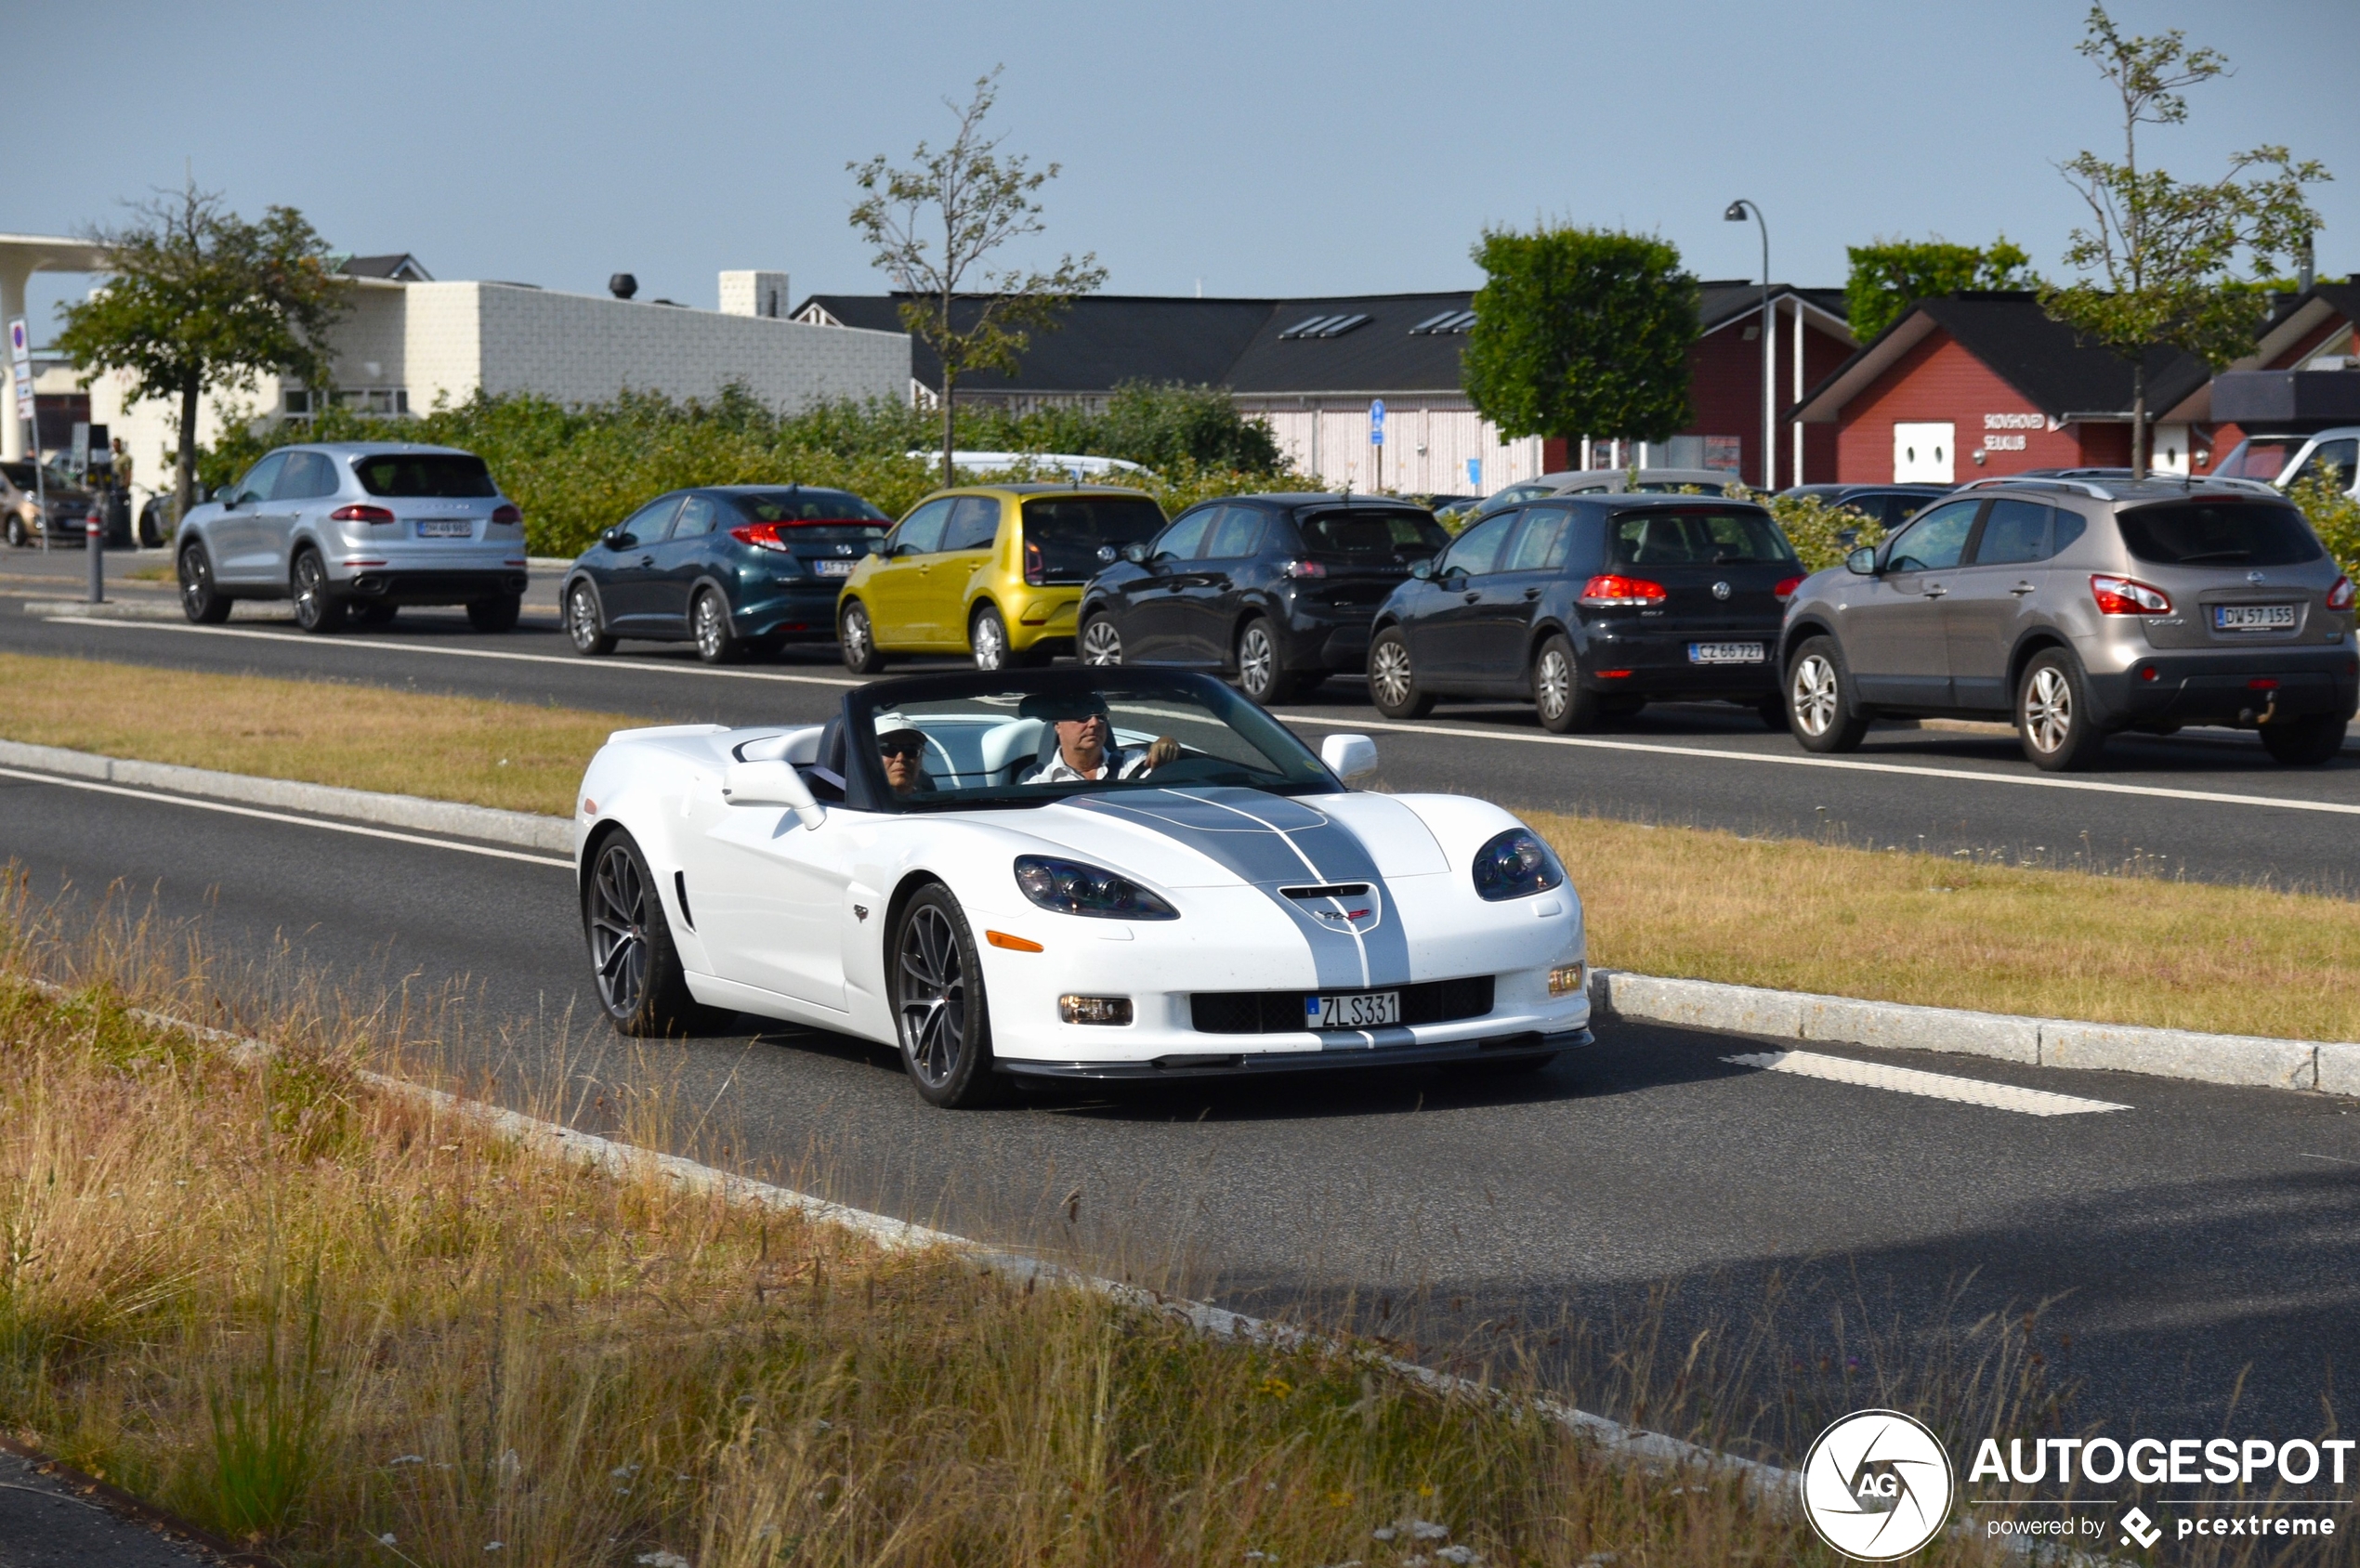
(1065, 533)
(1372, 536)
(2260, 457)
(1026, 741)
(443, 475)
(1718, 536)
(2183, 533)
(802, 505)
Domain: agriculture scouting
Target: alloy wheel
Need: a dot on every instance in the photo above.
(196, 574)
(581, 619)
(855, 633)
(1389, 672)
(1257, 660)
(1552, 685)
(1101, 644)
(712, 631)
(931, 996)
(619, 930)
(990, 644)
(314, 609)
(1815, 694)
(2048, 708)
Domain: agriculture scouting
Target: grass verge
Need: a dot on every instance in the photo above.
(1783, 913)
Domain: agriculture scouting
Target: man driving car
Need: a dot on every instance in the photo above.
(1085, 750)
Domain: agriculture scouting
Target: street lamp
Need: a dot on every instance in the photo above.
(1738, 213)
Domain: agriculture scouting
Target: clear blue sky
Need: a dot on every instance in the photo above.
(1260, 148)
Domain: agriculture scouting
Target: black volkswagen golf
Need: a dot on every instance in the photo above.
(1275, 589)
(1590, 606)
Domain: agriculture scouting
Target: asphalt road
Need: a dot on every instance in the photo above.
(2200, 1236)
(2208, 805)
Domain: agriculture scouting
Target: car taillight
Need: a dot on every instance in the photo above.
(1035, 568)
(503, 512)
(2339, 596)
(2123, 595)
(1784, 591)
(361, 515)
(1301, 569)
(762, 536)
(1609, 589)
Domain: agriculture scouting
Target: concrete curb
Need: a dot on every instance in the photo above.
(523, 829)
(162, 609)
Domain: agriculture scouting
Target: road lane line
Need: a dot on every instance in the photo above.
(573, 663)
(223, 806)
(1847, 764)
(1933, 1086)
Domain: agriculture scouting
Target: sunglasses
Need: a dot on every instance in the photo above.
(901, 749)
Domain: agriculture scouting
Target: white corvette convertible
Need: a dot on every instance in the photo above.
(1098, 872)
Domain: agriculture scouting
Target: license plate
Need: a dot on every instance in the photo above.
(834, 568)
(1351, 1010)
(446, 527)
(2253, 618)
(1724, 653)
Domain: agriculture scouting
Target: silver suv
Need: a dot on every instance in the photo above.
(357, 529)
(2080, 607)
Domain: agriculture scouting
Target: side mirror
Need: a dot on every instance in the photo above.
(1423, 569)
(771, 783)
(615, 539)
(1862, 561)
(1135, 554)
(1349, 756)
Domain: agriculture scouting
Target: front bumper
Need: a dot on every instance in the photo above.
(1524, 1043)
(2231, 688)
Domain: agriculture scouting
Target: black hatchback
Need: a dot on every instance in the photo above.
(1277, 590)
(1590, 606)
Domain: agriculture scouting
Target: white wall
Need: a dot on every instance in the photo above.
(1428, 442)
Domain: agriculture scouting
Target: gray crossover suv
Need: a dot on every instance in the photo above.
(357, 529)
(2081, 607)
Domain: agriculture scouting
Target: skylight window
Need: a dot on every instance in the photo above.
(1343, 325)
(1309, 326)
(1448, 322)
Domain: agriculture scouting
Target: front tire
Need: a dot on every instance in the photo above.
(1565, 706)
(940, 1017)
(584, 627)
(201, 599)
(2304, 743)
(1819, 695)
(316, 609)
(1393, 684)
(1260, 675)
(2053, 718)
(496, 615)
(18, 537)
(858, 639)
(717, 641)
(1101, 641)
(633, 960)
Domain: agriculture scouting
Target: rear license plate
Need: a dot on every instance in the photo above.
(834, 568)
(1724, 653)
(1351, 1010)
(2253, 618)
(446, 527)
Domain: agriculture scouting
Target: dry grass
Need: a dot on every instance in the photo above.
(507, 754)
(313, 1316)
(1918, 928)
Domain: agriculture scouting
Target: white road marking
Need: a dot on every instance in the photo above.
(319, 822)
(575, 664)
(1933, 1086)
(1847, 764)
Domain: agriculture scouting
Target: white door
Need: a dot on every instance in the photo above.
(770, 895)
(1924, 453)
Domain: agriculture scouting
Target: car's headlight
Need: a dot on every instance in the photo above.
(1070, 887)
(1515, 865)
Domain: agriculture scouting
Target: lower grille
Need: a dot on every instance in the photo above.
(1272, 1013)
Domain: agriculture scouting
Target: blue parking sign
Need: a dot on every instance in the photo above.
(1376, 422)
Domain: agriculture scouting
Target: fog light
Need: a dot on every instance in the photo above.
(1115, 1011)
(1567, 978)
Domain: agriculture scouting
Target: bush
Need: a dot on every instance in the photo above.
(2335, 516)
(1822, 534)
(577, 470)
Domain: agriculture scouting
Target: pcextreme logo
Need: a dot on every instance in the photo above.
(1877, 1485)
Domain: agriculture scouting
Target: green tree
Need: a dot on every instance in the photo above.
(1889, 274)
(1582, 332)
(933, 226)
(199, 299)
(2159, 258)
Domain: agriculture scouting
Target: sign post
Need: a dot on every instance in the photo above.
(1376, 437)
(21, 366)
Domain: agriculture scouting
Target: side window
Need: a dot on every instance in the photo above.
(2017, 533)
(2070, 526)
(698, 514)
(647, 524)
(1476, 552)
(307, 475)
(921, 531)
(1180, 541)
(261, 479)
(2334, 460)
(974, 523)
(1540, 544)
(1934, 542)
(1237, 535)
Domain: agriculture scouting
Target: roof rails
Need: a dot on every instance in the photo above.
(2079, 487)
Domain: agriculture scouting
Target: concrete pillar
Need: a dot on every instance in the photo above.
(14, 274)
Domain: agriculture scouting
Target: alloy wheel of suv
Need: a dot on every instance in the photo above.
(2052, 714)
(316, 609)
(200, 600)
(1101, 641)
(1815, 695)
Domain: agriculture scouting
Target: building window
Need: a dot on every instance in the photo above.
(295, 402)
(382, 401)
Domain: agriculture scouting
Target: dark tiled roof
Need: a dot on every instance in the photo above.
(1379, 355)
(401, 266)
(1723, 300)
(1102, 340)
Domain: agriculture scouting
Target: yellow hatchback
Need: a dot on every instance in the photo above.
(992, 571)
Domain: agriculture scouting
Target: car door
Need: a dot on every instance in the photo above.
(309, 476)
(238, 553)
(678, 562)
(769, 894)
(1210, 600)
(1152, 615)
(1895, 641)
(1992, 600)
(1499, 626)
(968, 536)
(626, 568)
(894, 588)
(1443, 641)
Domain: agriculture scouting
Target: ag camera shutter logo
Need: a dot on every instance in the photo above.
(1877, 1485)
